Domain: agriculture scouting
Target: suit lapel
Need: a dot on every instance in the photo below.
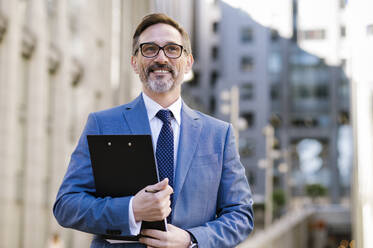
(190, 131)
(136, 116)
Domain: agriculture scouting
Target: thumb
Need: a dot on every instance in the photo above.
(160, 185)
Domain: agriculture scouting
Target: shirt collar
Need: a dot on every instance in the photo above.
(152, 108)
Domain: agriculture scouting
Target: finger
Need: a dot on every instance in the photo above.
(167, 212)
(165, 192)
(153, 233)
(169, 189)
(158, 186)
(166, 203)
(150, 242)
(170, 227)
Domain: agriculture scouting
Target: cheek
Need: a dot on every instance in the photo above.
(142, 64)
(180, 68)
(143, 68)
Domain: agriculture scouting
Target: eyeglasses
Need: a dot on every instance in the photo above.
(151, 50)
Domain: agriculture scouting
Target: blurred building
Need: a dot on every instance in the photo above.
(289, 68)
(59, 60)
(349, 26)
(320, 102)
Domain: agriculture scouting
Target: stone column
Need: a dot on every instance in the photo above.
(93, 91)
(10, 134)
(34, 228)
(59, 113)
(131, 15)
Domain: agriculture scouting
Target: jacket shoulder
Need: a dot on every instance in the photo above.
(212, 121)
(110, 111)
(114, 111)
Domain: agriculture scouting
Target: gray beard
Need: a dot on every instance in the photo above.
(160, 86)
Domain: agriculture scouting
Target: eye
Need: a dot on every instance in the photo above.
(172, 48)
(149, 48)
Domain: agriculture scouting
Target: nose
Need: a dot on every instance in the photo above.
(161, 56)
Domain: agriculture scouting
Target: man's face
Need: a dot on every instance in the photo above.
(161, 74)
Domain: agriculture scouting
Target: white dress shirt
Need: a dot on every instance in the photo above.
(156, 124)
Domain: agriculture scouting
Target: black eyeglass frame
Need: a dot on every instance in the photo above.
(159, 49)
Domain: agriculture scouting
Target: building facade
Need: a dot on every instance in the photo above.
(290, 72)
(49, 80)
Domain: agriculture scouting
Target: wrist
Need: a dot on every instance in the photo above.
(136, 214)
(193, 241)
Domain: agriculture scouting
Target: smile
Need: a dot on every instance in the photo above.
(161, 71)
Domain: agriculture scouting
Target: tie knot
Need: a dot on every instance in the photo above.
(164, 115)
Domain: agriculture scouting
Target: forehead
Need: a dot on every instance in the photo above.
(161, 34)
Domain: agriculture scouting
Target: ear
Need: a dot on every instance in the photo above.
(189, 63)
(134, 64)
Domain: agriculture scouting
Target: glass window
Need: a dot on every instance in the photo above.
(249, 117)
(247, 64)
(215, 27)
(343, 31)
(275, 91)
(317, 34)
(247, 91)
(344, 89)
(247, 147)
(274, 35)
(275, 63)
(212, 104)
(304, 122)
(323, 120)
(246, 34)
(214, 78)
(215, 52)
(322, 91)
(301, 58)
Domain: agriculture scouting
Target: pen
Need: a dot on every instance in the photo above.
(151, 191)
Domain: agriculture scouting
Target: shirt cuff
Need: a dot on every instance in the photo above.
(135, 227)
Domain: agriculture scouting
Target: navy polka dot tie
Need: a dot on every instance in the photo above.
(165, 150)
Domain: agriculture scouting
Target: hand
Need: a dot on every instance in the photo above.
(174, 237)
(153, 206)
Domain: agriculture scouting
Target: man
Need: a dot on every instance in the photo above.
(203, 190)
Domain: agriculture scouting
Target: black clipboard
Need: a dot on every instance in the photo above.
(123, 165)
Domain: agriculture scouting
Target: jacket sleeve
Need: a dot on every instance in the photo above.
(77, 207)
(234, 215)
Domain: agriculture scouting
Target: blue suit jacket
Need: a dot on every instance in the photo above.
(212, 198)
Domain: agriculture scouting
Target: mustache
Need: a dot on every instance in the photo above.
(158, 66)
